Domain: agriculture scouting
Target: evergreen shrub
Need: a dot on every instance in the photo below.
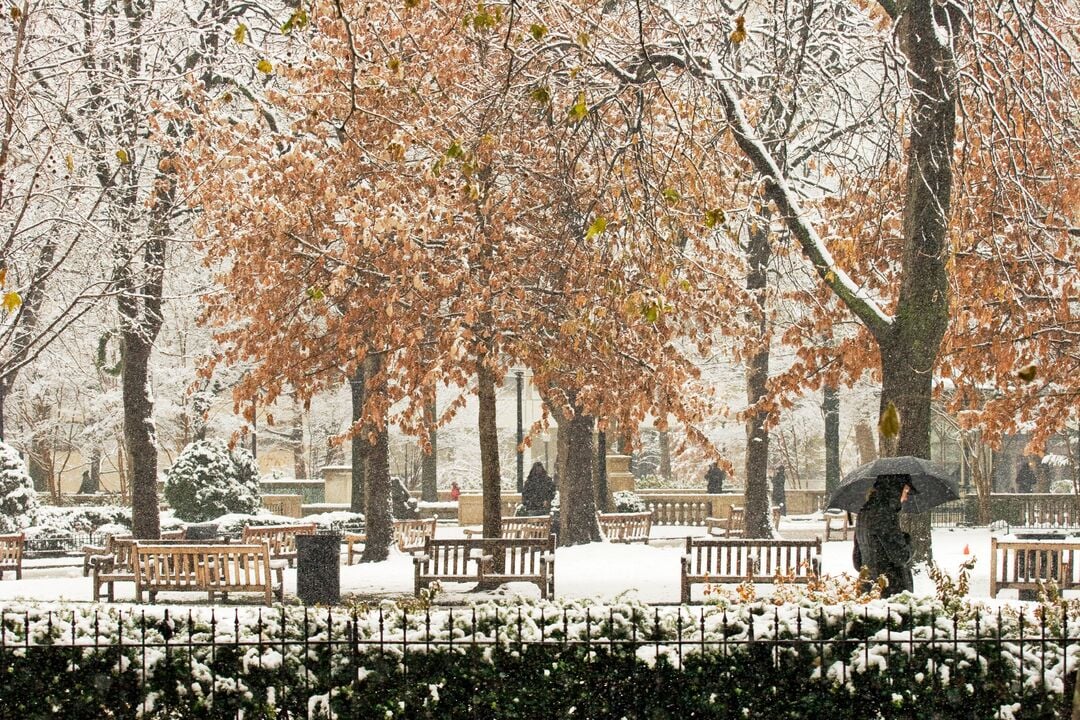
(597, 663)
(18, 499)
(209, 480)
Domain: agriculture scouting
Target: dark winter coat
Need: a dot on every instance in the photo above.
(779, 495)
(538, 491)
(714, 479)
(880, 545)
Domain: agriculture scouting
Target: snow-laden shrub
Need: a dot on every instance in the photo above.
(18, 501)
(628, 502)
(208, 480)
(53, 521)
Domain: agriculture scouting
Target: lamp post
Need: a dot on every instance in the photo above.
(520, 378)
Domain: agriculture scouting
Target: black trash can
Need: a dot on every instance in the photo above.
(318, 568)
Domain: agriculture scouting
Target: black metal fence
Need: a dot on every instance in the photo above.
(307, 654)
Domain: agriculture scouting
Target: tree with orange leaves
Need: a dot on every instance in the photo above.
(405, 213)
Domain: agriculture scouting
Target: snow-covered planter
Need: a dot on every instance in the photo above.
(18, 501)
(542, 660)
(208, 480)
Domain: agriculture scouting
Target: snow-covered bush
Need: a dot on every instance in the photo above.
(845, 661)
(18, 501)
(628, 502)
(208, 480)
(53, 521)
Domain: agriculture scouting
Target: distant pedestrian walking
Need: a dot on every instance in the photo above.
(779, 495)
(714, 479)
(880, 545)
(455, 491)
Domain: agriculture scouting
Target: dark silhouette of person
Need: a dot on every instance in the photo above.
(779, 497)
(87, 486)
(880, 545)
(714, 479)
(1025, 477)
(538, 490)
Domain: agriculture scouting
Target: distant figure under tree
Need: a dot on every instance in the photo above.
(538, 491)
(714, 479)
(88, 486)
(1025, 477)
(779, 496)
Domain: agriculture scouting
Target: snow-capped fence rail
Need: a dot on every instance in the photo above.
(568, 659)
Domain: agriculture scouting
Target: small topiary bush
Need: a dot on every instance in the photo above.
(209, 480)
(628, 502)
(18, 500)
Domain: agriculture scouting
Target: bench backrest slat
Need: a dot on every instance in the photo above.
(11, 549)
(282, 538)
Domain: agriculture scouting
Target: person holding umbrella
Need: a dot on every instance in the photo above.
(879, 491)
(880, 545)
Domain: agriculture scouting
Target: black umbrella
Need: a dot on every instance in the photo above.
(932, 484)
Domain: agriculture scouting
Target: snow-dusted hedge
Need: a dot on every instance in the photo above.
(626, 501)
(208, 479)
(18, 501)
(539, 660)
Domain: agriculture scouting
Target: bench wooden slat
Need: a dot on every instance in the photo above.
(520, 527)
(477, 559)
(1025, 565)
(723, 560)
(625, 527)
(12, 546)
(207, 568)
(282, 538)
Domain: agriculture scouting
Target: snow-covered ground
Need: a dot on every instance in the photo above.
(649, 573)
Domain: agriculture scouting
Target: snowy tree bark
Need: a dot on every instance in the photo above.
(758, 518)
(429, 490)
(359, 444)
(378, 518)
(830, 408)
(577, 514)
(490, 472)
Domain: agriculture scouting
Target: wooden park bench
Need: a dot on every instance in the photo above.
(116, 563)
(207, 568)
(625, 527)
(281, 538)
(91, 551)
(475, 560)
(838, 522)
(1026, 565)
(409, 537)
(731, 526)
(520, 527)
(11, 554)
(733, 560)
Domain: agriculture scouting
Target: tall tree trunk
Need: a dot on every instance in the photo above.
(665, 454)
(758, 518)
(864, 442)
(359, 444)
(296, 439)
(909, 349)
(378, 517)
(140, 321)
(490, 472)
(429, 465)
(601, 473)
(830, 407)
(577, 515)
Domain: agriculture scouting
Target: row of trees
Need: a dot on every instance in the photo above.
(400, 195)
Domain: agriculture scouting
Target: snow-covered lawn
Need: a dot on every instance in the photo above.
(602, 571)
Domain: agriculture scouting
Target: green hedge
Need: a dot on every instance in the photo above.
(621, 661)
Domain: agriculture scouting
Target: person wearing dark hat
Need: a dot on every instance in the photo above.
(880, 545)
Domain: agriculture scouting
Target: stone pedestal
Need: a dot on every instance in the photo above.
(619, 476)
(337, 481)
